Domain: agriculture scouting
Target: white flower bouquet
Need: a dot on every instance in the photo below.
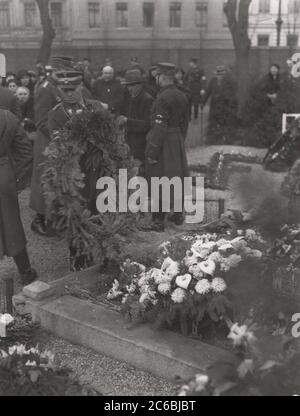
(191, 282)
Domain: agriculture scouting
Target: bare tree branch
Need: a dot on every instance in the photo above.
(48, 31)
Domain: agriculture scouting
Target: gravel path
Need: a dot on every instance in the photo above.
(108, 376)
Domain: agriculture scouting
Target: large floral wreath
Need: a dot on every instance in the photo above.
(88, 147)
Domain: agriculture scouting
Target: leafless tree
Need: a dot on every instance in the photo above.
(237, 13)
(48, 31)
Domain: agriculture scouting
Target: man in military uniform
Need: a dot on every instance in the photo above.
(74, 102)
(165, 151)
(47, 96)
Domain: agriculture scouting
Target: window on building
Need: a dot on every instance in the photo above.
(4, 14)
(175, 14)
(292, 40)
(264, 6)
(94, 14)
(294, 6)
(122, 14)
(263, 40)
(56, 14)
(148, 14)
(201, 13)
(29, 14)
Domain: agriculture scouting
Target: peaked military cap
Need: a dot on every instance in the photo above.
(166, 68)
(64, 63)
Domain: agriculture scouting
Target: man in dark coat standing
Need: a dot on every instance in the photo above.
(221, 92)
(196, 83)
(109, 91)
(165, 151)
(15, 165)
(136, 115)
(9, 101)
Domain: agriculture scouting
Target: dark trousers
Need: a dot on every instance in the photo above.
(22, 261)
(159, 217)
(194, 108)
(78, 263)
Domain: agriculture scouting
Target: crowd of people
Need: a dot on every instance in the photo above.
(154, 110)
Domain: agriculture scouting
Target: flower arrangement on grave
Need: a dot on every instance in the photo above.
(249, 372)
(89, 147)
(221, 166)
(16, 329)
(32, 372)
(189, 283)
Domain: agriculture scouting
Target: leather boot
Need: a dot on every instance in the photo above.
(38, 225)
(28, 277)
(27, 273)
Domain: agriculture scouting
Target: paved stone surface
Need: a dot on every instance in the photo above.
(38, 290)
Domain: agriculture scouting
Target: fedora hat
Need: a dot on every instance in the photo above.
(220, 70)
(166, 68)
(133, 76)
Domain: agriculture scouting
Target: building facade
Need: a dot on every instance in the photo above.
(151, 30)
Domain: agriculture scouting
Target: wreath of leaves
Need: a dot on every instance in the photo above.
(88, 147)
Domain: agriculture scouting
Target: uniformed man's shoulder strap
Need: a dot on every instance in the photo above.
(56, 107)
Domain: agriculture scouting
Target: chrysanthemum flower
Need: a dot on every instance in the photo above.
(230, 262)
(167, 262)
(221, 242)
(164, 288)
(192, 257)
(173, 270)
(218, 285)
(178, 295)
(196, 271)
(156, 274)
(203, 287)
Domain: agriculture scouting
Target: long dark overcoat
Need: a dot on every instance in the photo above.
(165, 151)
(46, 97)
(165, 140)
(15, 158)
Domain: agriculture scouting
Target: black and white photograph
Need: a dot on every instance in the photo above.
(149, 201)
